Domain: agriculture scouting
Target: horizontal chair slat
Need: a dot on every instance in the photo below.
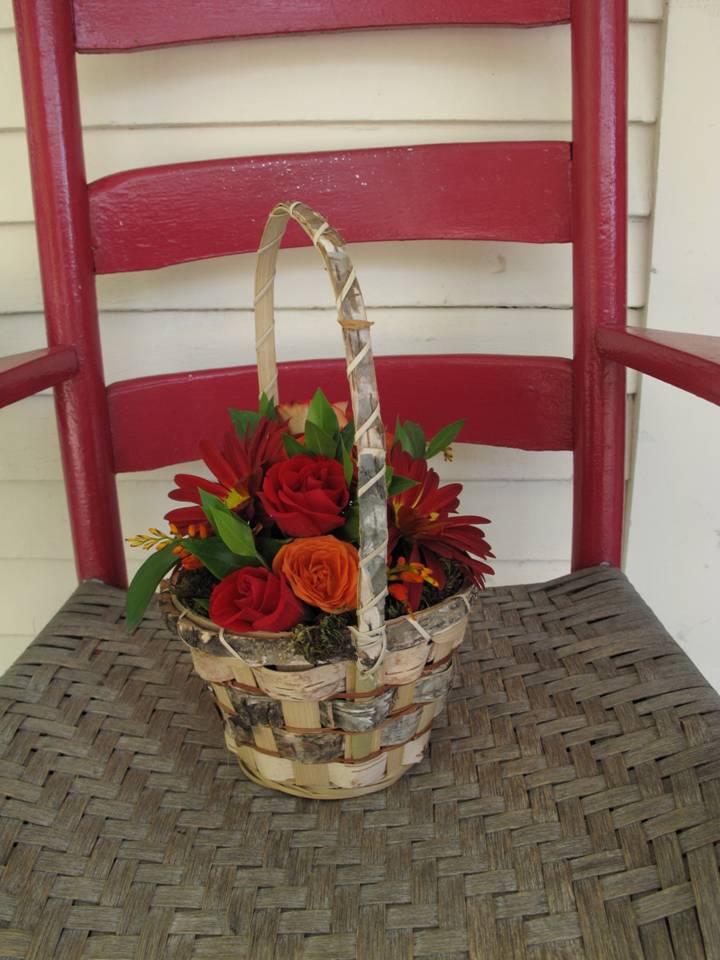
(156, 216)
(134, 24)
(508, 401)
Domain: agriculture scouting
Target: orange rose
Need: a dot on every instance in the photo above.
(322, 571)
(295, 415)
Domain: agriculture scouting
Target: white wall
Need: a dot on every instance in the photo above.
(274, 95)
(674, 548)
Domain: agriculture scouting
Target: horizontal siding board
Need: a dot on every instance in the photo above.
(109, 150)
(430, 74)
(416, 273)
(518, 529)
(12, 646)
(149, 218)
(647, 9)
(143, 344)
(31, 450)
(103, 26)
(38, 589)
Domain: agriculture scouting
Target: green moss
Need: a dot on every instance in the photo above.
(456, 579)
(193, 588)
(394, 608)
(326, 640)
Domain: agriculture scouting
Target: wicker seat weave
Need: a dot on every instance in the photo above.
(569, 806)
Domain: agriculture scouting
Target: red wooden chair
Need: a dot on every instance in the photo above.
(570, 804)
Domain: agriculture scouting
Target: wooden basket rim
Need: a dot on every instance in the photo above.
(199, 620)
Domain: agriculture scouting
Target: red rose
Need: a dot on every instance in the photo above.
(255, 599)
(305, 496)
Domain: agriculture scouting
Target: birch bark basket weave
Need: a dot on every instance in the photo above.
(345, 727)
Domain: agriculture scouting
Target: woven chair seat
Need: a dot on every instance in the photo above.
(569, 807)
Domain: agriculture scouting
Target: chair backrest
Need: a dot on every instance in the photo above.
(537, 192)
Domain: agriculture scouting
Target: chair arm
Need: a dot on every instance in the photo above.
(24, 374)
(685, 360)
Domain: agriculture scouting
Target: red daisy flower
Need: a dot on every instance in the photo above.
(238, 466)
(421, 528)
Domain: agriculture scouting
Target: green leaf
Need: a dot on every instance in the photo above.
(144, 583)
(219, 560)
(234, 532)
(351, 528)
(293, 446)
(268, 547)
(400, 484)
(322, 414)
(400, 436)
(319, 442)
(443, 438)
(411, 438)
(244, 421)
(266, 407)
(414, 439)
(347, 463)
(347, 435)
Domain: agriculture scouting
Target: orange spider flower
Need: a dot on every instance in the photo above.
(403, 574)
(188, 561)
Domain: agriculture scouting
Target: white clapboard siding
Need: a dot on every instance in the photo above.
(277, 95)
(169, 342)
(519, 528)
(144, 343)
(108, 150)
(450, 273)
(646, 9)
(430, 73)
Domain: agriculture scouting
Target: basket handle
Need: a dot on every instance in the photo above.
(369, 635)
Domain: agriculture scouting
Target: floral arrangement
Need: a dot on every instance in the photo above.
(270, 544)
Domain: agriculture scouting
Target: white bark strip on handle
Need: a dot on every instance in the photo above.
(361, 431)
(265, 287)
(358, 359)
(371, 482)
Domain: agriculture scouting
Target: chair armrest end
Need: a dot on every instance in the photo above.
(25, 374)
(685, 360)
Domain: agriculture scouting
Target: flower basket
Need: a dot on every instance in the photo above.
(355, 723)
(334, 730)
